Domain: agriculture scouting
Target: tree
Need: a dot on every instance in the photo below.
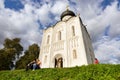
(29, 55)
(11, 49)
(13, 44)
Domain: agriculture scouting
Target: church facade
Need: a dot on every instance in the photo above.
(66, 44)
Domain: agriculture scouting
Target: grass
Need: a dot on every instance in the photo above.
(90, 72)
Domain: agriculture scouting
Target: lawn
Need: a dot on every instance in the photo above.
(90, 72)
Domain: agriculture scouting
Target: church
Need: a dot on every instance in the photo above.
(66, 43)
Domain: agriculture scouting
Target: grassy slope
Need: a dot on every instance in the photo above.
(91, 72)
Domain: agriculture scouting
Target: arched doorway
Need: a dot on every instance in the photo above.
(58, 61)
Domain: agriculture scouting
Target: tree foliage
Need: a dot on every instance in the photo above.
(29, 55)
(13, 44)
(12, 48)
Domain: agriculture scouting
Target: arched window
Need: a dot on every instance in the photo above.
(73, 31)
(48, 39)
(74, 54)
(59, 35)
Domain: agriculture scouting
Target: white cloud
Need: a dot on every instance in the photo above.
(108, 50)
(20, 24)
(43, 14)
(58, 7)
(1, 4)
(110, 16)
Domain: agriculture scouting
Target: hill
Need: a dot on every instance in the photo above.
(90, 72)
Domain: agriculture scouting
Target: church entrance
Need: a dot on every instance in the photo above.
(59, 62)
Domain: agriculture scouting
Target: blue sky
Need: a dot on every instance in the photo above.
(27, 18)
(13, 4)
(105, 3)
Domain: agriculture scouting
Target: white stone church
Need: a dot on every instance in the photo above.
(66, 44)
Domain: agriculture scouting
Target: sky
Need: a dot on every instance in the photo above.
(26, 19)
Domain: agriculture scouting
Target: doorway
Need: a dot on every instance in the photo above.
(58, 62)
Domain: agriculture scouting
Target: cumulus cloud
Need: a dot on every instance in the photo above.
(109, 16)
(108, 50)
(1, 4)
(28, 23)
(22, 24)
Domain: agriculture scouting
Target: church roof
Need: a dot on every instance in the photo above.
(67, 12)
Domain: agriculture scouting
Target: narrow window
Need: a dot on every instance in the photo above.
(48, 39)
(74, 54)
(73, 31)
(59, 35)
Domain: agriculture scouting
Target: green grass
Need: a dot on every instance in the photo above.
(90, 72)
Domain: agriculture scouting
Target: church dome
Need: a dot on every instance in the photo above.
(66, 13)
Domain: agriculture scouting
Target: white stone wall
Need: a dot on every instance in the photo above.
(76, 42)
(64, 48)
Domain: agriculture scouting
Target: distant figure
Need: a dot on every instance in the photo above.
(96, 61)
(30, 65)
(60, 63)
(55, 63)
(35, 64)
(38, 62)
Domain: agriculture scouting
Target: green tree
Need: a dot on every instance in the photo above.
(29, 55)
(11, 49)
(13, 44)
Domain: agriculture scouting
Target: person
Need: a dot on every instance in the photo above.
(30, 65)
(35, 64)
(96, 61)
(55, 63)
(38, 64)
